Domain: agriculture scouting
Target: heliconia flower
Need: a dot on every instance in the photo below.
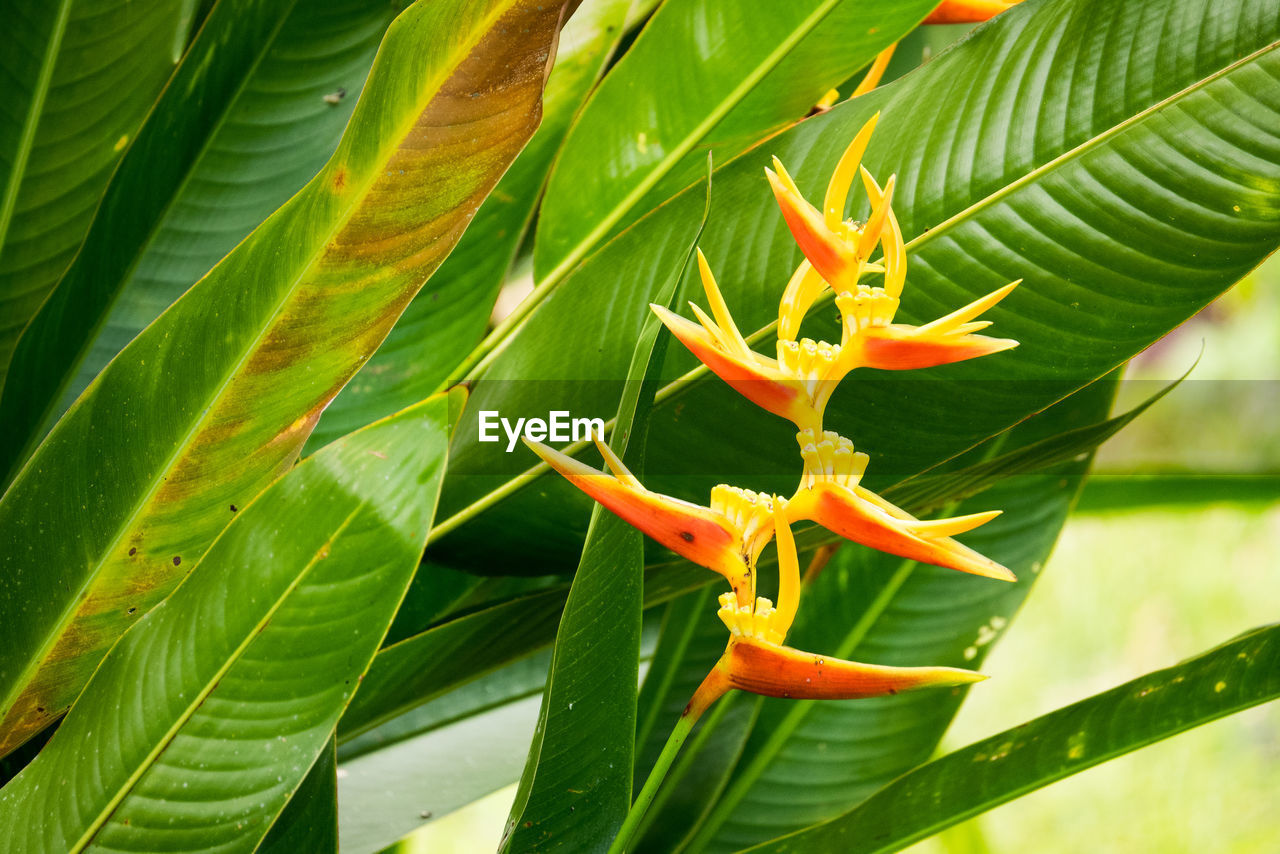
(837, 248)
(756, 660)
(968, 11)
(830, 494)
(796, 385)
(726, 537)
(871, 338)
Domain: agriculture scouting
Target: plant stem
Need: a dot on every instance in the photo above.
(711, 689)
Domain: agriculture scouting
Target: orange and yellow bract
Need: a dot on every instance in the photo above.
(728, 535)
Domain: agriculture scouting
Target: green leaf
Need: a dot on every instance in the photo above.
(450, 314)
(215, 399)
(1141, 198)
(702, 74)
(1107, 493)
(515, 681)
(1235, 676)
(931, 492)
(388, 793)
(426, 665)
(242, 126)
(211, 709)
(310, 821)
(576, 787)
(78, 79)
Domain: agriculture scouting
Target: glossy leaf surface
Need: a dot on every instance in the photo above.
(310, 820)
(243, 125)
(216, 398)
(212, 708)
(701, 75)
(78, 78)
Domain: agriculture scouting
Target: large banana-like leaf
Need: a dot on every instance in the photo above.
(391, 792)
(1127, 195)
(207, 715)
(78, 78)
(448, 317)
(243, 125)
(1234, 676)
(216, 398)
(516, 681)
(684, 88)
(576, 786)
(701, 74)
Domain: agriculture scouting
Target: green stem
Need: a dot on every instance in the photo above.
(650, 790)
(711, 689)
(682, 767)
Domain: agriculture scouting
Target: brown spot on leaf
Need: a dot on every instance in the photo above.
(177, 559)
(133, 551)
(687, 536)
(340, 179)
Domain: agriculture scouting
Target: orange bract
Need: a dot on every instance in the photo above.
(968, 11)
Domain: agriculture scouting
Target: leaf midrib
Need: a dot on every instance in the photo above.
(210, 684)
(27, 139)
(680, 383)
(35, 664)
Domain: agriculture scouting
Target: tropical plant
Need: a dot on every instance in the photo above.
(266, 521)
